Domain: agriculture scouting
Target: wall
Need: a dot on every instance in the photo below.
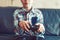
(40, 3)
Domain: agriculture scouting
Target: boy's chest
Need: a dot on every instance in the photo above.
(27, 16)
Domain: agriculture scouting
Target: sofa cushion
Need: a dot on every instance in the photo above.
(52, 21)
(6, 20)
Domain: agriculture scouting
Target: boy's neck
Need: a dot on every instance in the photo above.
(28, 8)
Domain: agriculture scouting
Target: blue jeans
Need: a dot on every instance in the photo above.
(31, 38)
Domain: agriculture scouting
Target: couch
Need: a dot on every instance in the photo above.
(51, 23)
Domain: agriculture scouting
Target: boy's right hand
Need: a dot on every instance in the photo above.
(24, 25)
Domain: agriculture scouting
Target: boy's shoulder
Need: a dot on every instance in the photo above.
(18, 9)
(37, 10)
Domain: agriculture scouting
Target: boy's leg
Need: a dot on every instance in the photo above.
(29, 38)
(39, 38)
(32, 38)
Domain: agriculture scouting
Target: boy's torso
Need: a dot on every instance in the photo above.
(23, 15)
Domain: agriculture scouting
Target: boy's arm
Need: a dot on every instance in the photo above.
(16, 22)
(19, 22)
(40, 22)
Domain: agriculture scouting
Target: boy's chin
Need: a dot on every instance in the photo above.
(27, 6)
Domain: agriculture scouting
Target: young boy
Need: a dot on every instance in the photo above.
(29, 22)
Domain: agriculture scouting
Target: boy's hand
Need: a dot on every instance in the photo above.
(24, 25)
(41, 28)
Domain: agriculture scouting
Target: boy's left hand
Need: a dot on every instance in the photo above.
(41, 28)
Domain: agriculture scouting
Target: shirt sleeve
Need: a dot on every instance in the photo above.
(15, 18)
(40, 20)
(40, 17)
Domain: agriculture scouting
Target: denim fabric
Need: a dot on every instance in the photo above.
(29, 38)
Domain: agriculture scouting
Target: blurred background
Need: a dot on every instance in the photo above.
(49, 8)
(36, 4)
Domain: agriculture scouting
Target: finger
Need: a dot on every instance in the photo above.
(40, 29)
(25, 28)
(21, 25)
(27, 25)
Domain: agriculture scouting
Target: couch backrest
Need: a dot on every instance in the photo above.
(51, 20)
(6, 20)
